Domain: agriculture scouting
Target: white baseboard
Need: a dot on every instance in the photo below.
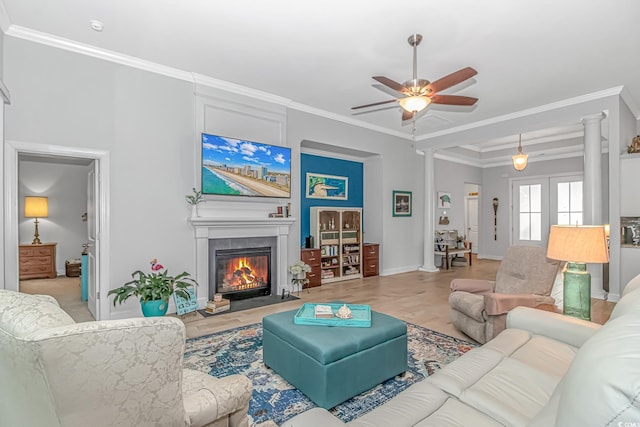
(398, 270)
(487, 256)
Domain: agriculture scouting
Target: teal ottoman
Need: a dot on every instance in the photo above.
(331, 364)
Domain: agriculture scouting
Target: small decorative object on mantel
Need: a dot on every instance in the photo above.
(635, 145)
(194, 200)
(344, 312)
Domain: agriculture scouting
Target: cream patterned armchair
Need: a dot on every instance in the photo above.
(525, 278)
(55, 373)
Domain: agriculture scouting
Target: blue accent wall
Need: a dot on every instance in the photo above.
(328, 166)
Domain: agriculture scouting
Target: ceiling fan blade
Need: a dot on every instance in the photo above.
(407, 115)
(374, 104)
(451, 80)
(392, 84)
(453, 100)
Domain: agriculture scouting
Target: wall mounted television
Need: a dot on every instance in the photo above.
(234, 167)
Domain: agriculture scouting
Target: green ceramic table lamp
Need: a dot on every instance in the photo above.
(579, 245)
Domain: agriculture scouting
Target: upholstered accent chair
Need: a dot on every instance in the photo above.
(525, 278)
(55, 372)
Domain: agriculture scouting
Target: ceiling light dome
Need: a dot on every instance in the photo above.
(414, 104)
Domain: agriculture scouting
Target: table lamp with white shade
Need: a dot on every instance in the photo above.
(36, 207)
(578, 245)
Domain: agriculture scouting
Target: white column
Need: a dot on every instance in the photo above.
(429, 211)
(592, 189)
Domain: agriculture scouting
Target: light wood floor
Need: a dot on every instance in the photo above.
(416, 297)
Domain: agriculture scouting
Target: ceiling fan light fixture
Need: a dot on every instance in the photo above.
(520, 159)
(414, 104)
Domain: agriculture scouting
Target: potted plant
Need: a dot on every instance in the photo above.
(154, 289)
(194, 200)
(299, 272)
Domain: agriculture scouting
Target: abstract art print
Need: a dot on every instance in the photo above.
(327, 186)
(402, 203)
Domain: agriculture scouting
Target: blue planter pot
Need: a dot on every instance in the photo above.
(154, 308)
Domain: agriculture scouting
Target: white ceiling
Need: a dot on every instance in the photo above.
(322, 55)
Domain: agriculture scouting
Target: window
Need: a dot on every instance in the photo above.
(530, 212)
(569, 203)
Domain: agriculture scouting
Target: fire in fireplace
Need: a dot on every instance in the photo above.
(243, 273)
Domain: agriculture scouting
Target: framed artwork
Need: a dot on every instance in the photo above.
(184, 306)
(402, 203)
(444, 200)
(327, 186)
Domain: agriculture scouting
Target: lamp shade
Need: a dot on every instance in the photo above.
(520, 160)
(579, 244)
(36, 207)
(414, 103)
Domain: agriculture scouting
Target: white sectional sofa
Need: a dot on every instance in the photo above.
(545, 369)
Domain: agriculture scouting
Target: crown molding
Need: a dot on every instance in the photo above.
(524, 113)
(4, 93)
(107, 55)
(534, 156)
(462, 160)
(95, 52)
(236, 89)
(626, 97)
(4, 18)
(134, 62)
(348, 120)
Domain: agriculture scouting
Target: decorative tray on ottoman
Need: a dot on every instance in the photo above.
(360, 315)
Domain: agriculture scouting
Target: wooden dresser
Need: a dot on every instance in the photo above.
(38, 261)
(371, 256)
(312, 258)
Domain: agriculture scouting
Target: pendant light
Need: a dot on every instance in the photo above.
(520, 159)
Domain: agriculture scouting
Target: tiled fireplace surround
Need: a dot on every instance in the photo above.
(228, 225)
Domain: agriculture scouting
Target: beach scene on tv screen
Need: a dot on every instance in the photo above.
(244, 168)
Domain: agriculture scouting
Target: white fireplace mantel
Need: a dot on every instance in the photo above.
(206, 228)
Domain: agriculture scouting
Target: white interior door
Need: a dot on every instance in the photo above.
(93, 236)
(471, 222)
(530, 212)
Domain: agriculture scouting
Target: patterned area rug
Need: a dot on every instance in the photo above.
(239, 351)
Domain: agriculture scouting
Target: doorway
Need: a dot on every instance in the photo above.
(53, 267)
(99, 277)
(541, 202)
(471, 215)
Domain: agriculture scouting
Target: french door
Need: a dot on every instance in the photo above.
(540, 202)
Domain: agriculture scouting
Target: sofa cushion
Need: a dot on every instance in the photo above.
(547, 355)
(466, 371)
(602, 386)
(629, 303)
(512, 393)
(23, 314)
(456, 413)
(412, 405)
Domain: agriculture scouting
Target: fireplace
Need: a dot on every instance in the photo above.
(243, 273)
(245, 226)
(243, 267)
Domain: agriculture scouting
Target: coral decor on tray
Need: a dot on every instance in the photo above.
(344, 312)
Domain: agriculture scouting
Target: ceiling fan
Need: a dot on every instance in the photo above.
(417, 93)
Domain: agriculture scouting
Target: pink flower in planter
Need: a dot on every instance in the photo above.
(155, 266)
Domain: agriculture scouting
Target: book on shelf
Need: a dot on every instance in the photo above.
(323, 311)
